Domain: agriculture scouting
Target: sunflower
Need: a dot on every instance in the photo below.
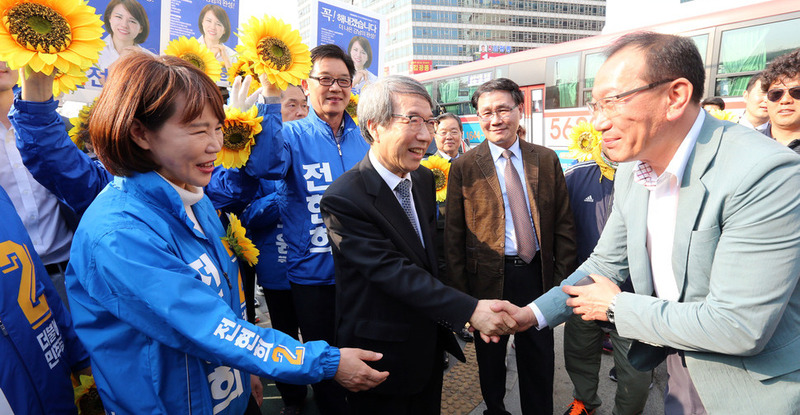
(244, 67)
(276, 50)
(440, 169)
(79, 133)
(236, 242)
(352, 107)
(43, 35)
(607, 167)
(65, 82)
(238, 131)
(196, 53)
(724, 115)
(583, 139)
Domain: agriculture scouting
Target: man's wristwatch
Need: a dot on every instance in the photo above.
(610, 309)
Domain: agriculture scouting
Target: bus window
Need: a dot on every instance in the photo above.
(701, 41)
(591, 66)
(562, 82)
(749, 49)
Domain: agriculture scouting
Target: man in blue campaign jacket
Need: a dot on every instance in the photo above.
(162, 306)
(38, 344)
(308, 154)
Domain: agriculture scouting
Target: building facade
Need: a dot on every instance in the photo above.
(443, 33)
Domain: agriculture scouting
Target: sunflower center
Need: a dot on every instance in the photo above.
(586, 140)
(439, 179)
(195, 60)
(38, 27)
(276, 52)
(236, 136)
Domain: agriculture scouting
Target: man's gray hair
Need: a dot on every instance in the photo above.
(375, 102)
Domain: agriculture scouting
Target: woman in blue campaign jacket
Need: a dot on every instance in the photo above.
(155, 294)
(38, 344)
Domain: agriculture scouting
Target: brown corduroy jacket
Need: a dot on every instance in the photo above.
(475, 220)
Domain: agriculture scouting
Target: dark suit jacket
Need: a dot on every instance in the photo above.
(475, 221)
(388, 296)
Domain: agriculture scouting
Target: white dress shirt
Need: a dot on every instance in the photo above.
(392, 180)
(662, 211)
(500, 168)
(39, 209)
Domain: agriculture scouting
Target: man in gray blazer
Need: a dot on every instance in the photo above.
(706, 221)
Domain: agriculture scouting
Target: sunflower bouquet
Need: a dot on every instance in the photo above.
(441, 170)
(51, 35)
(275, 50)
(236, 241)
(585, 144)
(196, 53)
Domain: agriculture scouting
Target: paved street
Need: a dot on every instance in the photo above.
(562, 385)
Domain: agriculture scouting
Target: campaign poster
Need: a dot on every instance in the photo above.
(213, 22)
(357, 32)
(128, 25)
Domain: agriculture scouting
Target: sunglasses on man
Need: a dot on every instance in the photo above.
(776, 94)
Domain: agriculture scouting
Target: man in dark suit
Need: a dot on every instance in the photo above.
(380, 217)
(509, 234)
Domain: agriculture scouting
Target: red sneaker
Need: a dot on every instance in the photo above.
(578, 408)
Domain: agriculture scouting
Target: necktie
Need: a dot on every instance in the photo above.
(404, 189)
(527, 245)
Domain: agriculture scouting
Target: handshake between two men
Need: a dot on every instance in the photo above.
(494, 318)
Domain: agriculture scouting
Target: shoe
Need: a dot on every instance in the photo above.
(607, 346)
(578, 408)
(465, 335)
(292, 410)
(446, 360)
(612, 374)
(256, 303)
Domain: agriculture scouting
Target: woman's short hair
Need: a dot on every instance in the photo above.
(146, 88)
(221, 15)
(136, 10)
(365, 45)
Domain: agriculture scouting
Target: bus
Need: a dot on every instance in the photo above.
(557, 79)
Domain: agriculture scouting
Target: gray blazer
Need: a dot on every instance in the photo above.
(736, 259)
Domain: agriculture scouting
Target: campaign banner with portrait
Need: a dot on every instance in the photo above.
(128, 25)
(213, 22)
(357, 32)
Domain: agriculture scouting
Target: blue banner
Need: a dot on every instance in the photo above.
(213, 22)
(357, 34)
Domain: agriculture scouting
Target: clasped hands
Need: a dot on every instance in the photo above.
(495, 318)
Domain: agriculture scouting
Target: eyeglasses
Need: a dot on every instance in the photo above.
(776, 94)
(328, 81)
(450, 133)
(608, 104)
(416, 121)
(502, 113)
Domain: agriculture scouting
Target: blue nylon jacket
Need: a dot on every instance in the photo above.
(159, 306)
(38, 344)
(263, 222)
(305, 155)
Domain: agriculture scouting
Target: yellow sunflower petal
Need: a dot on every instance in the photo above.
(196, 53)
(583, 139)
